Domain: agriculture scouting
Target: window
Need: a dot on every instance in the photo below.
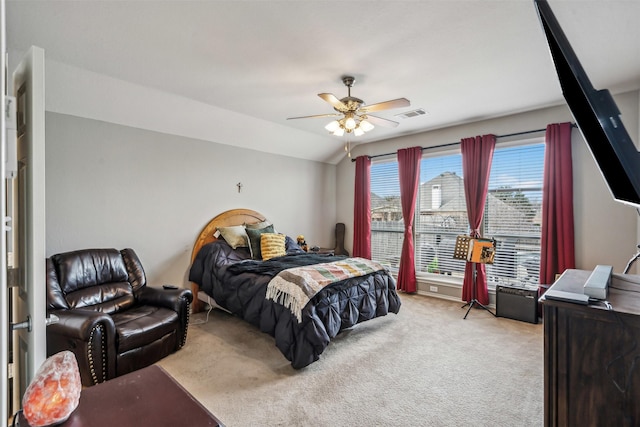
(387, 226)
(512, 213)
(441, 215)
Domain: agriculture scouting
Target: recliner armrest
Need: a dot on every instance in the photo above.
(78, 324)
(172, 299)
(91, 336)
(178, 300)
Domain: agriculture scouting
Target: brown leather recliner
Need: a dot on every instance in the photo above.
(112, 321)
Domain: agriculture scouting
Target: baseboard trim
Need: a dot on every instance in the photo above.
(452, 293)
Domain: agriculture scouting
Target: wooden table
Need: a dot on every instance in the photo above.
(147, 397)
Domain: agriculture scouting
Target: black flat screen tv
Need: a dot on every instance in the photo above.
(596, 115)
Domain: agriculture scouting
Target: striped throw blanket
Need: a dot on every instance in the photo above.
(294, 287)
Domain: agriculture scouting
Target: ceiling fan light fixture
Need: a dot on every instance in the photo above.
(331, 127)
(358, 131)
(366, 126)
(350, 123)
(338, 132)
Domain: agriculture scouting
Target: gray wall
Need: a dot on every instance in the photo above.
(109, 185)
(606, 231)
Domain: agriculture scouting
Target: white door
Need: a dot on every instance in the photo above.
(26, 206)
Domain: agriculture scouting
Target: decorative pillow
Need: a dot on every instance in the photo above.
(258, 225)
(254, 240)
(235, 236)
(272, 245)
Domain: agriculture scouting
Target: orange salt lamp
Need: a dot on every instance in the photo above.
(54, 392)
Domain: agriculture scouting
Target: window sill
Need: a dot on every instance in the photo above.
(439, 279)
(446, 287)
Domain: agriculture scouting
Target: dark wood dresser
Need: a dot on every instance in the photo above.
(592, 355)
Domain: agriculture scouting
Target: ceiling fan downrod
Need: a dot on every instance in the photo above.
(348, 82)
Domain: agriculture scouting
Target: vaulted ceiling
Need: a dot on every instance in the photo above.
(265, 61)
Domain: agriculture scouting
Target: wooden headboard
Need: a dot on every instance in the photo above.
(225, 219)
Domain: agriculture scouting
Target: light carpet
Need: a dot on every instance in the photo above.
(425, 366)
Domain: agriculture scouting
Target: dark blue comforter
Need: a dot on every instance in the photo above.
(338, 306)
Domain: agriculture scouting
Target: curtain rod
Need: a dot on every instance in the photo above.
(451, 144)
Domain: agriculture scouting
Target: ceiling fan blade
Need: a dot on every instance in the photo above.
(315, 116)
(334, 101)
(394, 103)
(379, 121)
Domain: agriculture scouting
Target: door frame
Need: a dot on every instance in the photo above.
(4, 291)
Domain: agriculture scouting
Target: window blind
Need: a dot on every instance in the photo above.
(387, 225)
(513, 213)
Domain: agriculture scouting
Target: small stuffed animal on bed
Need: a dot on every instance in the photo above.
(302, 243)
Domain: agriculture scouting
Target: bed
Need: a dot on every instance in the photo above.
(279, 295)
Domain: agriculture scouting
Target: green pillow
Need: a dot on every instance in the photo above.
(257, 225)
(254, 240)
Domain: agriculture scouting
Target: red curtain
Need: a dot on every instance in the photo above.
(409, 174)
(557, 252)
(362, 209)
(477, 154)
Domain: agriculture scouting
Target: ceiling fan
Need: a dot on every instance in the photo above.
(353, 114)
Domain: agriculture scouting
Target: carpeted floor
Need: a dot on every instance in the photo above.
(425, 366)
